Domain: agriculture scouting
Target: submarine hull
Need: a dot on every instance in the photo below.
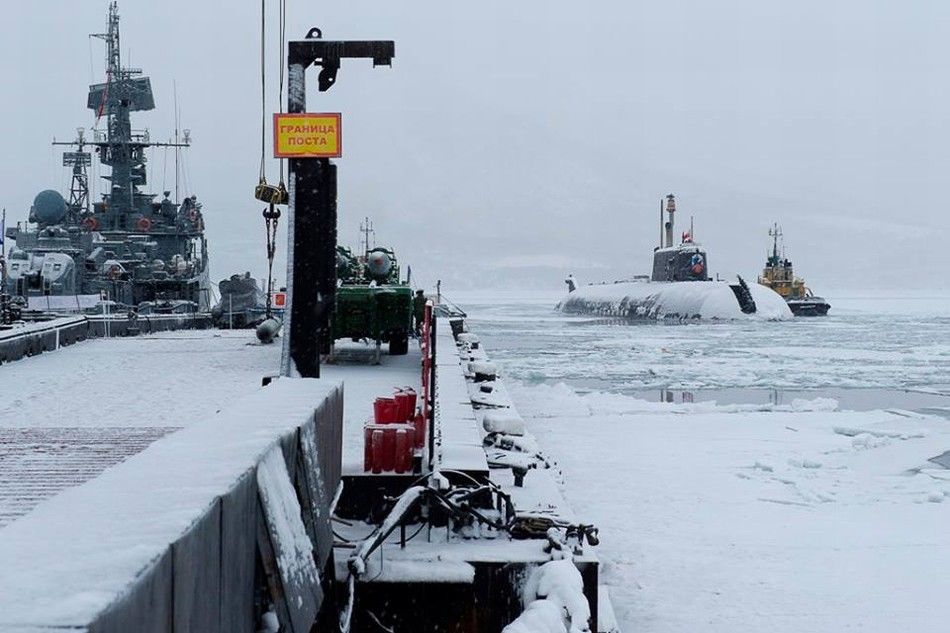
(678, 301)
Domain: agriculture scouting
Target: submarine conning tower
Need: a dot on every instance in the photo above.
(684, 262)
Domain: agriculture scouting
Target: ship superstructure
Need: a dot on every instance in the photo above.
(683, 262)
(126, 247)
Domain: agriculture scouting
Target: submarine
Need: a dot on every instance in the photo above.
(679, 288)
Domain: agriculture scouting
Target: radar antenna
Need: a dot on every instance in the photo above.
(366, 228)
(80, 161)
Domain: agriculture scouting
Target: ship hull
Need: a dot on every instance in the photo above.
(809, 307)
(676, 301)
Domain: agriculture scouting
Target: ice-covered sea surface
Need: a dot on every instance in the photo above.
(748, 476)
(897, 343)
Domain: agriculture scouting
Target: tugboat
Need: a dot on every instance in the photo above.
(679, 288)
(780, 277)
(126, 248)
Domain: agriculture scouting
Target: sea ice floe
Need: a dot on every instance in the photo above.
(804, 463)
(897, 435)
(934, 496)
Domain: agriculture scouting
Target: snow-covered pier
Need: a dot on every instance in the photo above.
(171, 539)
(192, 502)
(484, 527)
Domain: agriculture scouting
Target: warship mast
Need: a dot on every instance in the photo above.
(122, 148)
(116, 99)
(80, 161)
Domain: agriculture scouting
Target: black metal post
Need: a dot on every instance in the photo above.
(308, 194)
(311, 258)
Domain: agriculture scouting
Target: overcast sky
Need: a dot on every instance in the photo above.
(514, 142)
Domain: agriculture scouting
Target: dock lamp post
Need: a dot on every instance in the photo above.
(311, 225)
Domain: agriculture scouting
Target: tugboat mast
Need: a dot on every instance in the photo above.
(775, 232)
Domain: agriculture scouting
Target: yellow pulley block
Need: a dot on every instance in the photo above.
(271, 194)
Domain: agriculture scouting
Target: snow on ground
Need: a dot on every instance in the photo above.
(363, 382)
(103, 393)
(167, 379)
(66, 416)
(77, 552)
(757, 521)
(176, 378)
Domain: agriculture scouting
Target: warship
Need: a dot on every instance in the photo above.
(127, 247)
(779, 275)
(678, 289)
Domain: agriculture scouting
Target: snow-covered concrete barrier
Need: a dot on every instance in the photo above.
(683, 300)
(188, 534)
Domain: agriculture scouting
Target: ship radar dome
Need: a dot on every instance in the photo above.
(49, 207)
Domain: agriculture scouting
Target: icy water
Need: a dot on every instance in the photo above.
(870, 353)
(768, 510)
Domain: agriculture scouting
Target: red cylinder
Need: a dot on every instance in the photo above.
(403, 449)
(387, 459)
(393, 411)
(378, 447)
(419, 422)
(410, 450)
(367, 448)
(405, 402)
(384, 410)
